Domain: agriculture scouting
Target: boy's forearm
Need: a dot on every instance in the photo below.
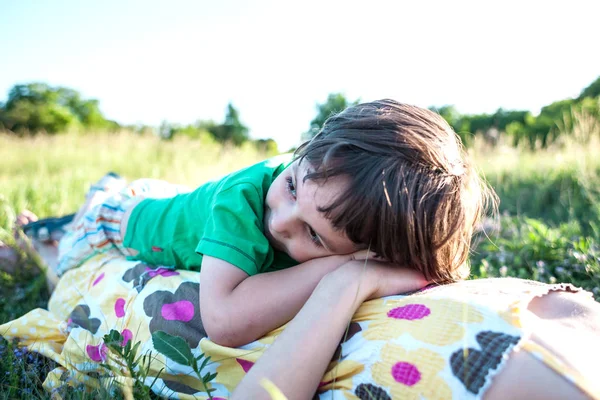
(263, 302)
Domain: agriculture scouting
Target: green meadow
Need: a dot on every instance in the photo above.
(548, 225)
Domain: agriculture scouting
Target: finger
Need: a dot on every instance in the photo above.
(26, 217)
(362, 255)
(367, 254)
(378, 258)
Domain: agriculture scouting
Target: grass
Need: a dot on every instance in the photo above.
(51, 174)
(549, 231)
(557, 185)
(550, 212)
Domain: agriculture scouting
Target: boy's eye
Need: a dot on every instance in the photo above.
(314, 237)
(291, 188)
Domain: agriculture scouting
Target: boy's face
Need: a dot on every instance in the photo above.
(293, 223)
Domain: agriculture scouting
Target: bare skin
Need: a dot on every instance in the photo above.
(567, 324)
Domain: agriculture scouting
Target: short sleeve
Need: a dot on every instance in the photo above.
(234, 229)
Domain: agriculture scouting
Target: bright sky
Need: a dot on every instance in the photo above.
(180, 61)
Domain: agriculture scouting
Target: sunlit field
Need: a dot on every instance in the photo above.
(51, 174)
(548, 230)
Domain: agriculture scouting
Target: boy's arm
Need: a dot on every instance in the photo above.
(313, 335)
(237, 309)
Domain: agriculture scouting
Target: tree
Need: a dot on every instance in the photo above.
(267, 146)
(166, 130)
(449, 113)
(231, 130)
(36, 107)
(593, 90)
(458, 122)
(335, 103)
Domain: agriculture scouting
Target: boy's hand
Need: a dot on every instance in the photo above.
(392, 279)
(375, 279)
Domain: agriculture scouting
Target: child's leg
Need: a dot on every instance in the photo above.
(108, 185)
(96, 231)
(99, 229)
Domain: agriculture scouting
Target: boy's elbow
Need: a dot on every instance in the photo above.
(222, 333)
(222, 338)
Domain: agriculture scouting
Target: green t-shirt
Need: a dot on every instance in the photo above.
(221, 219)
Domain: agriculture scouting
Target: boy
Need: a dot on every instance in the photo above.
(382, 176)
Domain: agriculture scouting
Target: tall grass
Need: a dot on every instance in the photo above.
(550, 202)
(559, 184)
(50, 174)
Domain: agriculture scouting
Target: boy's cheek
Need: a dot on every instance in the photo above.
(295, 255)
(300, 254)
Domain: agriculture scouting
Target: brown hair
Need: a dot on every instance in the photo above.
(413, 196)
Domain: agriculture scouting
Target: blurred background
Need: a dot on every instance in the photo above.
(187, 90)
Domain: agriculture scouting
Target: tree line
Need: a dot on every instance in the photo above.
(521, 127)
(555, 119)
(37, 107)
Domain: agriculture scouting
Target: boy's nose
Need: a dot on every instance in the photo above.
(283, 224)
(279, 225)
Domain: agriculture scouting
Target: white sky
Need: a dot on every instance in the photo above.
(148, 61)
